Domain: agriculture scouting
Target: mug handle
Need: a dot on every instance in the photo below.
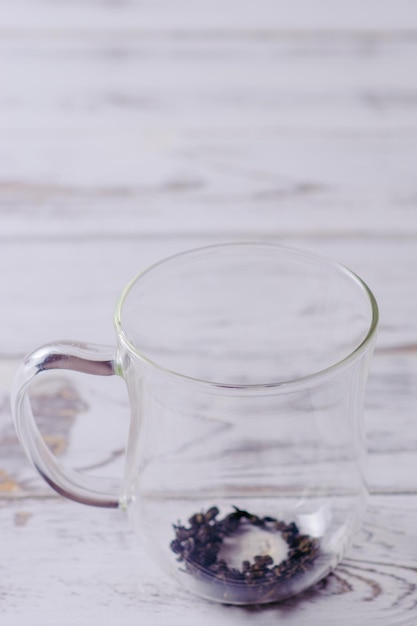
(78, 357)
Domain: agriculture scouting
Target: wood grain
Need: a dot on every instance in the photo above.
(92, 565)
(76, 407)
(221, 15)
(69, 287)
(257, 121)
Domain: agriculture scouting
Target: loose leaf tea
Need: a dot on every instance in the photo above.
(201, 547)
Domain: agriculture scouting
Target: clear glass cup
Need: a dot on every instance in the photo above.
(245, 366)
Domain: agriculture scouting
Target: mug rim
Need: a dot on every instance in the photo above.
(302, 381)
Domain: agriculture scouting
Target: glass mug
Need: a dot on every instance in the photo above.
(245, 366)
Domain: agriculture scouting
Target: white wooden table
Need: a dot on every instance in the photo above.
(130, 130)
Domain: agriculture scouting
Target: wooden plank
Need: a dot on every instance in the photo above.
(85, 421)
(68, 288)
(219, 14)
(205, 133)
(90, 562)
(315, 134)
(360, 184)
(161, 88)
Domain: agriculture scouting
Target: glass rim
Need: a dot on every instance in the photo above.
(306, 380)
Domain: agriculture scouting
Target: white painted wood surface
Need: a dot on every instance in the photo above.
(133, 130)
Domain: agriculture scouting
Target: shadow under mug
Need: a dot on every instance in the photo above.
(245, 366)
